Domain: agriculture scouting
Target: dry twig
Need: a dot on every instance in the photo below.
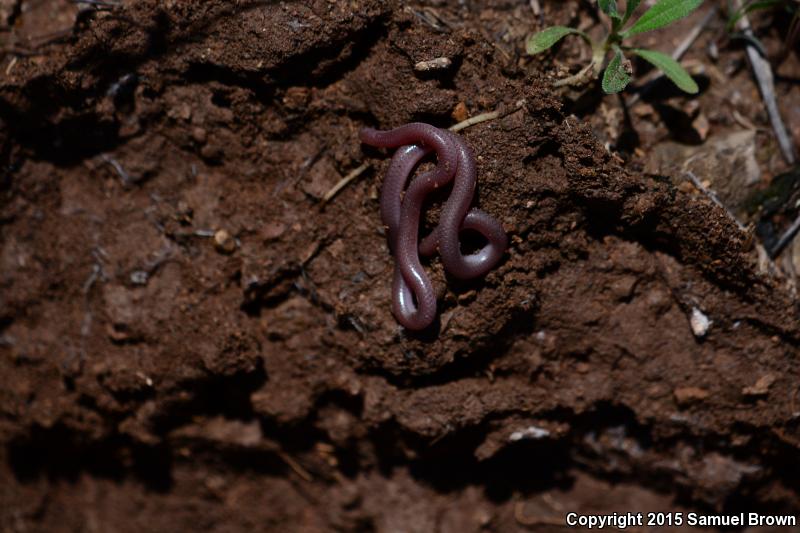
(766, 83)
(484, 117)
(785, 239)
(344, 182)
(295, 466)
(123, 175)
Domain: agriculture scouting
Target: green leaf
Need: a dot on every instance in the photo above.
(749, 8)
(539, 42)
(609, 7)
(616, 76)
(671, 68)
(630, 7)
(664, 13)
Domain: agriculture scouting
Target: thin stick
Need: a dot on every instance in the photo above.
(295, 466)
(485, 117)
(785, 239)
(11, 65)
(477, 119)
(124, 176)
(344, 182)
(766, 83)
(692, 36)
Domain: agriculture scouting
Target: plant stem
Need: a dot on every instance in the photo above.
(580, 78)
(590, 71)
(599, 54)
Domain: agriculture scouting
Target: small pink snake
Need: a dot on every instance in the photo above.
(414, 299)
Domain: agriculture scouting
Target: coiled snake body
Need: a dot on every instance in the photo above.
(401, 214)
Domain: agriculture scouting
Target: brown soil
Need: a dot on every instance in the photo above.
(150, 380)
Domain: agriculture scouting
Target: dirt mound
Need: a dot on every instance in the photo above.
(158, 374)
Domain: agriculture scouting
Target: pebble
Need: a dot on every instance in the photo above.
(531, 432)
(686, 395)
(139, 277)
(433, 64)
(224, 242)
(700, 323)
(199, 135)
(272, 230)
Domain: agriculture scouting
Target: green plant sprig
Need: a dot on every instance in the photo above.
(753, 5)
(790, 7)
(618, 72)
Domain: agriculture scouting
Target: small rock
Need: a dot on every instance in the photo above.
(139, 277)
(713, 51)
(224, 242)
(761, 388)
(433, 64)
(688, 395)
(322, 176)
(296, 98)
(701, 126)
(147, 379)
(687, 187)
(181, 111)
(622, 288)
(118, 332)
(531, 432)
(211, 151)
(184, 213)
(272, 230)
(700, 323)
(199, 135)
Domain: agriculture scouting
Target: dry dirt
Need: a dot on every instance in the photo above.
(152, 381)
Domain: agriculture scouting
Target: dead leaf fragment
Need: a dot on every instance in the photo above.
(761, 387)
(460, 112)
